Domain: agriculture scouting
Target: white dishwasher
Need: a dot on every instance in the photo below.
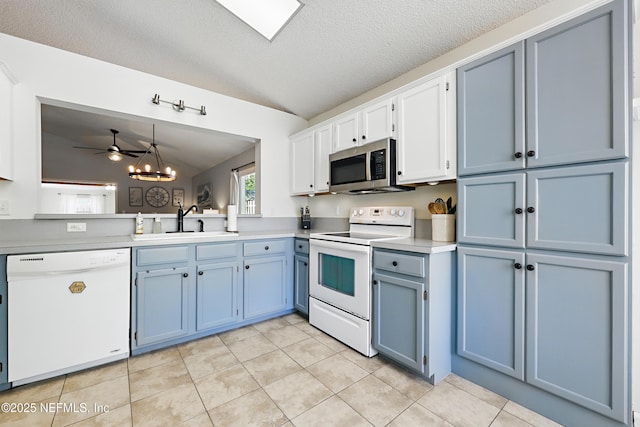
(67, 311)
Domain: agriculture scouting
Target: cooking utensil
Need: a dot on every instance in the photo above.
(432, 208)
(440, 207)
(449, 201)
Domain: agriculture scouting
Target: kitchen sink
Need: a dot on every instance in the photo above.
(184, 235)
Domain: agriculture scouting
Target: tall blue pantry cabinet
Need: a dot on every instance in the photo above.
(543, 197)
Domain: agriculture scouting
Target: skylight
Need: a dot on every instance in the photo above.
(267, 17)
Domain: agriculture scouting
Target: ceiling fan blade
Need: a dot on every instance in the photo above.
(134, 151)
(128, 153)
(90, 148)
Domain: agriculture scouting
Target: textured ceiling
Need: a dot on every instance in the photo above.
(331, 51)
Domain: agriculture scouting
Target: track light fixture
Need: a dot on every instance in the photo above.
(178, 105)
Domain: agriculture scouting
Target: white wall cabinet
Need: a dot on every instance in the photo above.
(369, 124)
(302, 163)
(6, 90)
(322, 141)
(426, 132)
(310, 161)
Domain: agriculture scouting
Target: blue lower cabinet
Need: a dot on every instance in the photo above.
(577, 331)
(399, 310)
(566, 310)
(265, 289)
(216, 295)
(491, 308)
(412, 310)
(162, 305)
(301, 283)
(184, 292)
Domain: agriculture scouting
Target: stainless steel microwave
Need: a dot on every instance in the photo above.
(369, 168)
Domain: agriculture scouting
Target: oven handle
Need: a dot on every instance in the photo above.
(351, 247)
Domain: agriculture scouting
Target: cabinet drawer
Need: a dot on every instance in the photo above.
(302, 246)
(411, 265)
(264, 247)
(222, 250)
(150, 256)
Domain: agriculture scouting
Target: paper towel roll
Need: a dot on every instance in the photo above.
(232, 218)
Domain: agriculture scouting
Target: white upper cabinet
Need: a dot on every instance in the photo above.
(302, 177)
(426, 132)
(6, 90)
(323, 139)
(310, 161)
(369, 124)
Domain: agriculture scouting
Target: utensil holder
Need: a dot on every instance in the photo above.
(443, 227)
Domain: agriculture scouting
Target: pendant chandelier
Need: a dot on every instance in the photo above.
(147, 173)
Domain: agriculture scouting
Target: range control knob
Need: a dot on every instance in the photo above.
(400, 212)
(361, 212)
(393, 212)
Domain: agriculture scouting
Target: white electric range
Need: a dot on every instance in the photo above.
(340, 272)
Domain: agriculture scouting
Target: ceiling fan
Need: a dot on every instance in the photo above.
(114, 152)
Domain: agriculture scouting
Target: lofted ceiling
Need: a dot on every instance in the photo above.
(330, 52)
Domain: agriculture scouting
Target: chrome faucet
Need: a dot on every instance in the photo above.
(182, 214)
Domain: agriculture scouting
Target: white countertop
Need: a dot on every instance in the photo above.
(415, 244)
(111, 242)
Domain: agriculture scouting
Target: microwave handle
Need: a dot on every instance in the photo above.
(368, 166)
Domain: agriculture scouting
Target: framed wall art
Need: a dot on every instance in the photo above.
(177, 197)
(135, 196)
(204, 195)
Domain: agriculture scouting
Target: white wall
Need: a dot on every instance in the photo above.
(53, 76)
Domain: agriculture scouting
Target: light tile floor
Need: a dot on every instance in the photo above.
(279, 372)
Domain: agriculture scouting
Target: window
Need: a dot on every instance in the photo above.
(247, 181)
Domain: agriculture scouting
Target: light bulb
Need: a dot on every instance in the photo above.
(147, 168)
(131, 168)
(173, 173)
(168, 169)
(115, 156)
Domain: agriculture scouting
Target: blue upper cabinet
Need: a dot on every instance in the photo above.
(493, 210)
(580, 208)
(491, 113)
(577, 77)
(573, 80)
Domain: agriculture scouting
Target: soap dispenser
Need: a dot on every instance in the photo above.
(157, 226)
(139, 223)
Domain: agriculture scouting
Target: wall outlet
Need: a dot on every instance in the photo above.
(4, 207)
(76, 227)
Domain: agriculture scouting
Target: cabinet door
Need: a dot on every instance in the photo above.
(162, 304)
(579, 208)
(491, 113)
(264, 286)
(491, 309)
(492, 210)
(216, 295)
(6, 125)
(301, 283)
(577, 80)
(345, 132)
(422, 133)
(322, 149)
(302, 164)
(398, 319)
(577, 331)
(376, 122)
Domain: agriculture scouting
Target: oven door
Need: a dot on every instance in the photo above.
(340, 275)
